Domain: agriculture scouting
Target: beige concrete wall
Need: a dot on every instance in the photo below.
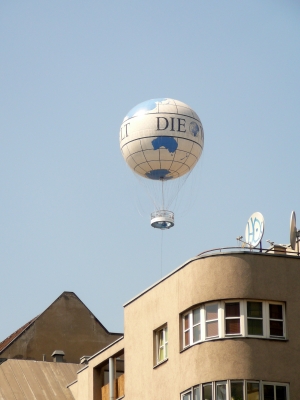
(90, 379)
(66, 325)
(84, 385)
(74, 390)
(240, 276)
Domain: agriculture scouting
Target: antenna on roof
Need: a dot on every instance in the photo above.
(270, 242)
(254, 231)
(294, 233)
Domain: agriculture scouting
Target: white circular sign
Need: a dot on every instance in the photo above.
(254, 229)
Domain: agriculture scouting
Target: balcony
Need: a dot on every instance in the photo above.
(119, 385)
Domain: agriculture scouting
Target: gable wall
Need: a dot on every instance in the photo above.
(66, 325)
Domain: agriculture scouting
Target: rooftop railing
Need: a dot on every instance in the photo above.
(238, 249)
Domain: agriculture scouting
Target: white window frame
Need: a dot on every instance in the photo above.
(283, 320)
(228, 384)
(263, 318)
(274, 384)
(189, 391)
(212, 384)
(243, 381)
(221, 383)
(241, 318)
(193, 391)
(212, 320)
(222, 321)
(252, 381)
(185, 330)
(192, 326)
(164, 330)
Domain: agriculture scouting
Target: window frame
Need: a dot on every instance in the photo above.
(241, 318)
(274, 384)
(209, 321)
(164, 346)
(228, 387)
(255, 382)
(263, 318)
(273, 319)
(189, 391)
(221, 320)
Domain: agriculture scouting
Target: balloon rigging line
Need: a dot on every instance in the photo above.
(174, 197)
(162, 193)
(148, 191)
(169, 192)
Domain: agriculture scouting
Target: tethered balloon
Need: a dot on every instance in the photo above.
(162, 140)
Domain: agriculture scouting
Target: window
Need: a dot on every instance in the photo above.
(255, 318)
(211, 313)
(232, 318)
(196, 325)
(253, 391)
(187, 396)
(274, 392)
(161, 337)
(276, 320)
(236, 318)
(186, 330)
(237, 390)
(192, 327)
(196, 393)
(221, 390)
(207, 391)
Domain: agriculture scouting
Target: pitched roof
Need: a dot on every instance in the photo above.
(36, 380)
(16, 334)
(7, 342)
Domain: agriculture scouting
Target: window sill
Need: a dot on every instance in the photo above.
(160, 363)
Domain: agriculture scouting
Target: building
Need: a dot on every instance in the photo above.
(67, 325)
(223, 326)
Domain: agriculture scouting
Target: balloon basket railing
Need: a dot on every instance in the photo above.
(162, 219)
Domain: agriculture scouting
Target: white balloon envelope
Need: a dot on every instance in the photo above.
(161, 140)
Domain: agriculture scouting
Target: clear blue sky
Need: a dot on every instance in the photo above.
(70, 215)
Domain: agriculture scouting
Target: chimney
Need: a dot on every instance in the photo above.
(58, 356)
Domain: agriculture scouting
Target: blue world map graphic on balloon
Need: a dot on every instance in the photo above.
(194, 128)
(167, 142)
(159, 174)
(171, 145)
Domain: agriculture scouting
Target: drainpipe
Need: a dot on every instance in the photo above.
(112, 377)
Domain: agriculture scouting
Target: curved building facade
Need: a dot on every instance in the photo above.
(223, 326)
(232, 321)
